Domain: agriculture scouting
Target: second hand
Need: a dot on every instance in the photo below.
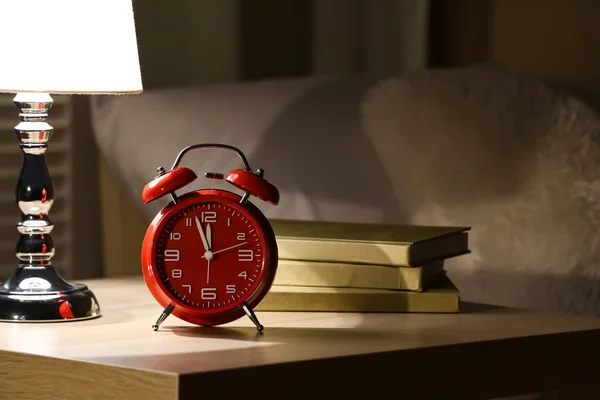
(208, 271)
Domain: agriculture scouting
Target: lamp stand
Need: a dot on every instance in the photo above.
(36, 292)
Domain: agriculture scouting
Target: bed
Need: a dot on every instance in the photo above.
(513, 156)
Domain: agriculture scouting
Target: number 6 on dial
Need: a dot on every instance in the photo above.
(208, 293)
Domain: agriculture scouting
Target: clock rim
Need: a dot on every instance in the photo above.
(192, 314)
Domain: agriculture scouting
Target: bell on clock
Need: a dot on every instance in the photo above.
(210, 256)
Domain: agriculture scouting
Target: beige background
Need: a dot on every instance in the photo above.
(547, 37)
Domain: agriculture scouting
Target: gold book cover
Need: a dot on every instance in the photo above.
(397, 245)
(327, 274)
(443, 297)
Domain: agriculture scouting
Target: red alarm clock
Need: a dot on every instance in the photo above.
(209, 256)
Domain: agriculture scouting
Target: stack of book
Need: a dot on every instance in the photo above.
(341, 266)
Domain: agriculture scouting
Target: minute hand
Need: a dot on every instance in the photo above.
(229, 248)
(202, 236)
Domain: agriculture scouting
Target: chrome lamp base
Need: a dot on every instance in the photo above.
(36, 292)
(39, 294)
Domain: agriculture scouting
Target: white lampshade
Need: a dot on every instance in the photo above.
(68, 46)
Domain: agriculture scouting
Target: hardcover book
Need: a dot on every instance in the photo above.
(327, 274)
(398, 245)
(443, 297)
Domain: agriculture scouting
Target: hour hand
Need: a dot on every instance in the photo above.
(209, 236)
(202, 236)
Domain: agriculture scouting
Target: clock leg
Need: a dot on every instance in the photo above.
(252, 317)
(166, 312)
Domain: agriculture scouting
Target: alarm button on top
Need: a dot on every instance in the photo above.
(255, 184)
(167, 182)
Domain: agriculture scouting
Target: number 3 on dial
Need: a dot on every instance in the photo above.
(245, 255)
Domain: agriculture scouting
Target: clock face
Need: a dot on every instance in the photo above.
(211, 256)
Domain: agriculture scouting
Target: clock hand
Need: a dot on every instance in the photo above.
(209, 236)
(229, 248)
(204, 242)
(207, 271)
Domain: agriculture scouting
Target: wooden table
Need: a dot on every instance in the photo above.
(483, 352)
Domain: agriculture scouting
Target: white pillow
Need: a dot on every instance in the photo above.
(305, 133)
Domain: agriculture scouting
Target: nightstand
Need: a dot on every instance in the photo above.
(481, 353)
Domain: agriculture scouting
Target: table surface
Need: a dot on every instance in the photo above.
(482, 351)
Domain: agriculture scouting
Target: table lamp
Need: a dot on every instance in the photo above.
(55, 47)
